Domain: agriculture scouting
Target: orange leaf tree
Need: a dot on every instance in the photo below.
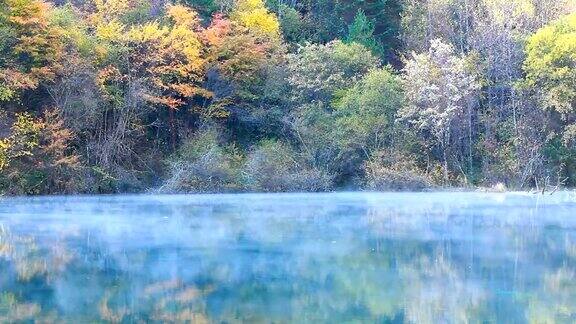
(30, 46)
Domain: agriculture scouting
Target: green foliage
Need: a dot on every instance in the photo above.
(361, 31)
(219, 95)
(563, 157)
(323, 21)
(73, 29)
(365, 114)
(313, 127)
(317, 71)
(274, 166)
(203, 164)
(293, 27)
(384, 16)
(206, 8)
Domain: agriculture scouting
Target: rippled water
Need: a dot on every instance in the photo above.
(321, 258)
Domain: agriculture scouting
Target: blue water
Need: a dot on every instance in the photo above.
(290, 258)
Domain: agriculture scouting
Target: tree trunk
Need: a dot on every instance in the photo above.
(172, 128)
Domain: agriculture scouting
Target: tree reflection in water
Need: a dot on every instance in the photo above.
(420, 258)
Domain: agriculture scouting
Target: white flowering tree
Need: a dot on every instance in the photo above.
(438, 88)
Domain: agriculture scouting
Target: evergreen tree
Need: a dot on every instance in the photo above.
(361, 31)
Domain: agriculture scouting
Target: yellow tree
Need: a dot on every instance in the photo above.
(254, 15)
(163, 59)
(170, 57)
(550, 65)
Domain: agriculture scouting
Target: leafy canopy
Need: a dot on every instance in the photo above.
(361, 31)
(254, 15)
(550, 64)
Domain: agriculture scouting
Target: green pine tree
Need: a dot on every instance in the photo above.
(361, 31)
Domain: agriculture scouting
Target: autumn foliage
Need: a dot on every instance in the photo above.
(100, 96)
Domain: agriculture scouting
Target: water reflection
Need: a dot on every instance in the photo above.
(391, 258)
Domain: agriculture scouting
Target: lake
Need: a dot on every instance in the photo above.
(290, 258)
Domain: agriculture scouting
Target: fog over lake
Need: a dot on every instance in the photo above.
(290, 258)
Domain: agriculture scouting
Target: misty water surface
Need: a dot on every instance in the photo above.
(298, 258)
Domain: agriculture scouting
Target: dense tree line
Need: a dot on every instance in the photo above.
(104, 96)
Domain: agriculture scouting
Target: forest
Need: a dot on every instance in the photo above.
(178, 96)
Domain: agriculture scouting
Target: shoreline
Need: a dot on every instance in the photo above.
(455, 190)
